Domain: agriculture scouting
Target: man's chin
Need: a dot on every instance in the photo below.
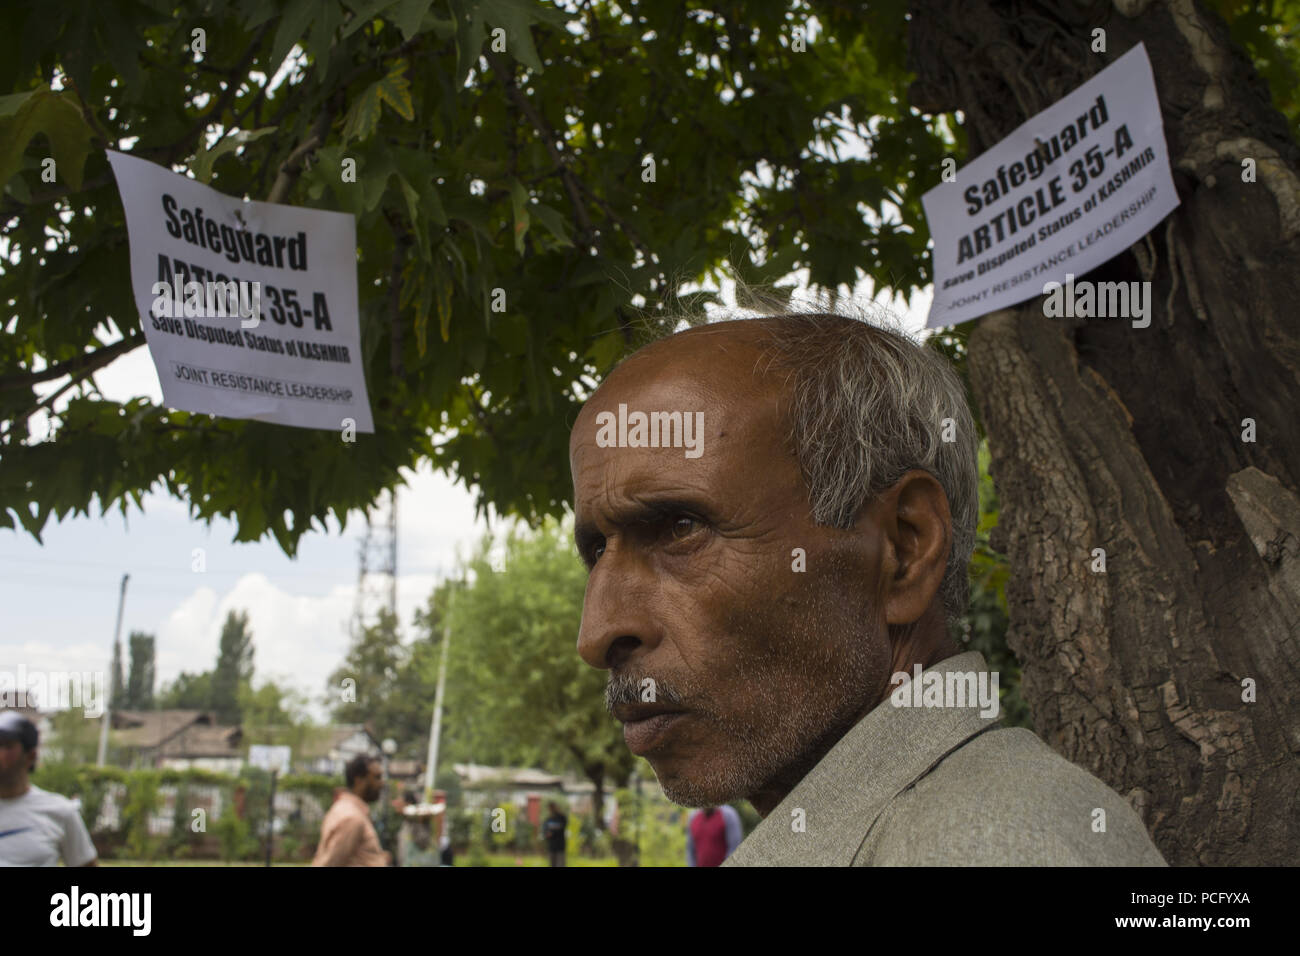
(695, 787)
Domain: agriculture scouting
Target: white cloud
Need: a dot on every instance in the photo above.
(297, 639)
(130, 376)
(434, 516)
(39, 655)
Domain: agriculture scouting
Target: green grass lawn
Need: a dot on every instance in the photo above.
(189, 863)
(509, 859)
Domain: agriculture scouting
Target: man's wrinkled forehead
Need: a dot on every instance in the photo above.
(711, 369)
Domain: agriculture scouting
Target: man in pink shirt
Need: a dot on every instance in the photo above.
(347, 837)
(711, 834)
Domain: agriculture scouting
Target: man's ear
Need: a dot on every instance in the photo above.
(915, 526)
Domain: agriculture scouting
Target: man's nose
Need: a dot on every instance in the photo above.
(618, 612)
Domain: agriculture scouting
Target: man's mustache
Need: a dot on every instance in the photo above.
(641, 688)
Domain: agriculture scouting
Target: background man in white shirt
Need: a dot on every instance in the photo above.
(37, 827)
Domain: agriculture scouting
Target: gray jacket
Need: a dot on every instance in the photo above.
(946, 786)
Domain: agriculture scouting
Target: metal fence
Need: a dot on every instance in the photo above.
(210, 798)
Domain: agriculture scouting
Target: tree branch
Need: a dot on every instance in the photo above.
(401, 243)
(293, 167)
(48, 401)
(87, 363)
(234, 77)
(549, 139)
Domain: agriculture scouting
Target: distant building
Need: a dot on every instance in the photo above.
(491, 786)
(330, 750)
(178, 740)
(528, 789)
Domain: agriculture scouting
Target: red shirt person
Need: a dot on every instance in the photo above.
(711, 834)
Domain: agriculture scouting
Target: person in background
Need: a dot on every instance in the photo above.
(711, 834)
(347, 836)
(417, 844)
(37, 828)
(553, 829)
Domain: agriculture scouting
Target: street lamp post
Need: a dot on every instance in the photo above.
(107, 716)
(388, 748)
(436, 730)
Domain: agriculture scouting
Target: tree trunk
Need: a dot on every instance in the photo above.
(1131, 440)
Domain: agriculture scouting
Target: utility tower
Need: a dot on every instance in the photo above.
(377, 557)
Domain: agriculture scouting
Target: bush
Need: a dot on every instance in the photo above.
(141, 797)
(460, 824)
(141, 803)
(663, 837)
(478, 837)
(503, 839)
(234, 834)
(526, 840)
(288, 847)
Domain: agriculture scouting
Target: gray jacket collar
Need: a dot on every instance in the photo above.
(883, 754)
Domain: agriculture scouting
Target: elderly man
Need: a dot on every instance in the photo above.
(777, 516)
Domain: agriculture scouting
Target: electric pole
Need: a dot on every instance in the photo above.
(377, 560)
(107, 716)
(436, 730)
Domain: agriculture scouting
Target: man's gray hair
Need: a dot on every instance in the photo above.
(867, 404)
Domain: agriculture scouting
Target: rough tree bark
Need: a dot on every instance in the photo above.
(1131, 440)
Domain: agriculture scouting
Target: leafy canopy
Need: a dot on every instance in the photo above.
(500, 150)
(478, 169)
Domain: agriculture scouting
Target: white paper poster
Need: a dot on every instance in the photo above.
(1074, 186)
(249, 308)
(270, 758)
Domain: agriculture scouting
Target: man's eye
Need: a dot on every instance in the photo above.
(684, 527)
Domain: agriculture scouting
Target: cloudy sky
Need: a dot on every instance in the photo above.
(60, 597)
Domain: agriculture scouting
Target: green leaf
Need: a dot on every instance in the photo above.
(293, 23)
(364, 12)
(416, 169)
(320, 41)
(412, 196)
(57, 116)
(553, 222)
(408, 15)
(607, 350)
(422, 306)
(362, 116)
(516, 17)
(9, 105)
(469, 40)
(373, 173)
(201, 164)
(442, 295)
(519, 200)
(395, 90)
